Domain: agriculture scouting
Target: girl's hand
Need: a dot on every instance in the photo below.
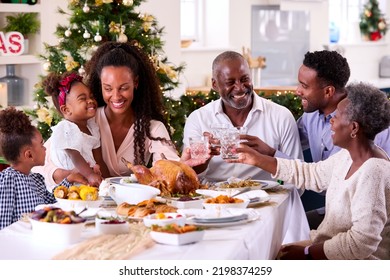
(94, 179)
(76, 177)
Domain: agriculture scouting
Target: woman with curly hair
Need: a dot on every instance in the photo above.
(130, 110)
(130, 113)
(22, 146)
(356, 179)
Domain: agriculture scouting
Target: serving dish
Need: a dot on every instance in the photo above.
(224, 201)
(132, 193)
(55, 225)
(163, 219)
(111, 225)
(57, 233)
(177, 238)
(71, 204)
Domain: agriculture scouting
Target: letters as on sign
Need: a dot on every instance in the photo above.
(11, 43)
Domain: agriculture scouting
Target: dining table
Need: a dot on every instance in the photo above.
(280, 220)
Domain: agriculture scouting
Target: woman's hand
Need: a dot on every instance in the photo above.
(258, 145)
(245, 155)
(291, 252)
(250, 156)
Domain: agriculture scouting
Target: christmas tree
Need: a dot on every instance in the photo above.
(90, 24)
(372, 22)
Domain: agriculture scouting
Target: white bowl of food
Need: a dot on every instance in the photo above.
(114, 225)
(54, 225)
(163, 219)
(132, 193)
(108, 222)
(173, 234)
(224, 201)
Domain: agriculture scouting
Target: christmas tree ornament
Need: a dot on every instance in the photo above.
(97, 37)
(128, 2)
(86, 8)
(122, 38)
(68, 32)
(46, 66)
(86, 35)
(81, 70)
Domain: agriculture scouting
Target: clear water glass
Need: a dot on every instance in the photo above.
(229, 143)
(218, 130)
(199, 147)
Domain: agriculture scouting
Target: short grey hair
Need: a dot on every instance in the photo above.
(368, 106)
(227, 55)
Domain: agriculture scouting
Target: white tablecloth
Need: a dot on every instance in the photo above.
(280, 223)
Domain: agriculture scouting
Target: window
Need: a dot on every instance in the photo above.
(205, 22)
(190, 19)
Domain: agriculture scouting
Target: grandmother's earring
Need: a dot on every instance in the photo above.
(353, 135)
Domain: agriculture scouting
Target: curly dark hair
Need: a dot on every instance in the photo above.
(331, 67)
(16, 131)
(147, 103)
(51, 85)
(369, 107)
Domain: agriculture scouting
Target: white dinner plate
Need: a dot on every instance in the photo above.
(197, 216)
(262, 185)
(213, 220)
(121, 180)
(227, 224)
(259, 202)
(270, 184)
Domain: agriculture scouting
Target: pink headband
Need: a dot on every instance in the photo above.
(65, 86)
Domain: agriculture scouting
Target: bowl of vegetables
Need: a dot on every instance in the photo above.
(54, 225)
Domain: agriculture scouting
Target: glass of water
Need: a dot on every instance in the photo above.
(199, 146)
(229, 143)
(218, 130)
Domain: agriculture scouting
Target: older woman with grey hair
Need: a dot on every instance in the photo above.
(357, 181)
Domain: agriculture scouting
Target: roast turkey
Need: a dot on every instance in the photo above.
(169, 176)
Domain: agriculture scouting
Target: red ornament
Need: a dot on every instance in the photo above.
(375, 36)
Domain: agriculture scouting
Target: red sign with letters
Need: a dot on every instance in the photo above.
(11, 43)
